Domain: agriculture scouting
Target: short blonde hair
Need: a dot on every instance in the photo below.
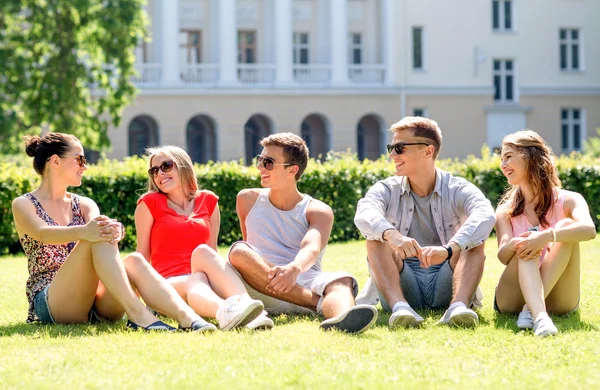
(183, 164)
(423, 128)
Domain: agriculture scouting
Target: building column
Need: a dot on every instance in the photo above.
(227, 42)
(283, 42)
(170, 43)
(389, 15)
(339, 42)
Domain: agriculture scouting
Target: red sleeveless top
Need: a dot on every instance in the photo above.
(174, 236)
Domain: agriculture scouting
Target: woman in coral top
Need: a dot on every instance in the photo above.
(539, 227)
(177, 229)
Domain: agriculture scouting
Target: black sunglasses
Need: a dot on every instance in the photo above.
(165, 166)
(400, 146)
(267, 162)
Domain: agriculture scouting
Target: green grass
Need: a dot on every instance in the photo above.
(295, 354)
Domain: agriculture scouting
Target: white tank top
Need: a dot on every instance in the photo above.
(277, 234)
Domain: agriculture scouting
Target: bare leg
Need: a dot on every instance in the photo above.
(337, 298)
(530, 281)
(385, 271)
(198, 294)
(156, 291)
(468, 269)
(254, 269)
(77, 283)
(221, 276)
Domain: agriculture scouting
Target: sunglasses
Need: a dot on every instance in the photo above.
(267, 162)
(165, 166)
(79, 158)
(400, 146)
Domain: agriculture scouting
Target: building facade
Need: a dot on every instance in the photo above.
(215, 76)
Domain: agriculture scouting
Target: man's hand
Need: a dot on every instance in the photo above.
(282, 279)
(432, 255)
(404, 246)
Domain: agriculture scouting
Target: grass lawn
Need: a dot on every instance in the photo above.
(295, 354)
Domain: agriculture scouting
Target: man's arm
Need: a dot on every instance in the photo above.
(245, 200)
(320, 221)
(480, 218)
(370, 212)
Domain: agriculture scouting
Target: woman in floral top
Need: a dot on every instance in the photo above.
(75, 270)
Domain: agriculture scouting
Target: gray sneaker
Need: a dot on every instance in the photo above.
(460, 316)
(543, 326)
(356, 320)
(525, 320)
(405, 317)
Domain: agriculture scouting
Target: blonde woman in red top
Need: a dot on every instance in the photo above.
(177, 229)
(539, 226)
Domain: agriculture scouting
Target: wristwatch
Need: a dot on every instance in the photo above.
(449, 249)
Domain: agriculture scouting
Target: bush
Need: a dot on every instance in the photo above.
(339, 181)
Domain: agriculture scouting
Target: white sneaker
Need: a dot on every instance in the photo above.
(525, 320)
(543, 326)
(405, 317)
(237, 311)
(355, 320)
(460, 316)
(261, 322)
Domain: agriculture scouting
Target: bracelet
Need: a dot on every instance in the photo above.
(123, 231)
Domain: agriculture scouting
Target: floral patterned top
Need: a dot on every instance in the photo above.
(44, 260)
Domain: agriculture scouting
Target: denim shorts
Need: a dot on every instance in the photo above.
(42, 309)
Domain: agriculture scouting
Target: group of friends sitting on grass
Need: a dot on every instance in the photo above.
(425, 233)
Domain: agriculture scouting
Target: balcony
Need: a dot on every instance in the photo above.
(366, 74)
(256, 74)
(149, 74)
(200, 73)
(315, 74)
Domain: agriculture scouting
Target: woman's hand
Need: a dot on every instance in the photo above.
(103, 228)
(529, 245)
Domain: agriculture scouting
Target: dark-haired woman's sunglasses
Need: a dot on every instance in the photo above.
(165, 166)
(80, 158)
(400, 146)
(267, 162)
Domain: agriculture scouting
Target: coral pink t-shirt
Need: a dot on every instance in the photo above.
(520, 224)
(174, 236)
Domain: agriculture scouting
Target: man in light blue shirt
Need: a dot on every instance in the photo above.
(425, 232)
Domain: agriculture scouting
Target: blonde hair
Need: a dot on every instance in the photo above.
(541, 174)
(183, 164)
(423, 128)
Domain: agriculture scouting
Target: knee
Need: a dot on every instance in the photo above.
(240, 255)
(203, 251)
(134, 262)
(340, 285)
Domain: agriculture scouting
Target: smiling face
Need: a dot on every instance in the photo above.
(412, 159)
(280, 175)
(513, 165)
(70, 170)
(165, 181)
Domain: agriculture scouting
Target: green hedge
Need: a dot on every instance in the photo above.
(340, 181)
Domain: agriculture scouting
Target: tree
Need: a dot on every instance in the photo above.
(66, 65)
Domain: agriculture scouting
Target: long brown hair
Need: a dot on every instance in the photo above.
(541, 173)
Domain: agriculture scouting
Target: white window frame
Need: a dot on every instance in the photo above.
(187, 48)
(570, 122)
(502, 16)
(412, 53)
(503, 73)
(569, 42)
(352, 46)
(298, 46)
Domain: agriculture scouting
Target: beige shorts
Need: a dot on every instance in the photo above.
(313, 280)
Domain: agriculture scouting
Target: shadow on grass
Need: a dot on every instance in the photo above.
(37, 330)
(564, 323)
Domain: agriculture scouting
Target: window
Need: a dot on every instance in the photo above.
(246, 47)
(190, 47)
(420, 112)
(417, 38)
(504, 81)
(356, 49)
(502, 15)
(571, 129)
(570, 49)
(301, 48)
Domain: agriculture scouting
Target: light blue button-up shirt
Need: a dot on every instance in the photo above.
(461, 213)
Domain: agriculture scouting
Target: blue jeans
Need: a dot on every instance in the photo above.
(42, 309)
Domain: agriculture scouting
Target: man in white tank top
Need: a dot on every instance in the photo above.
(285, 234)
